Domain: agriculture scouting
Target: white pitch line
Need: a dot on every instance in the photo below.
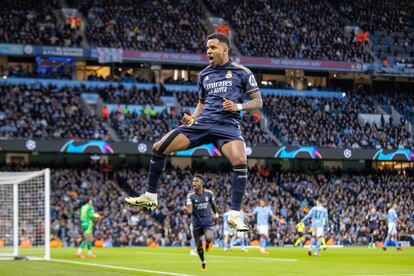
(383, 275)
(227, 257)
(119, 267)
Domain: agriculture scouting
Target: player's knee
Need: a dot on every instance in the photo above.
(156, 150)
(156, 146)
(240, 160)
(209, 237)
(161, 146)
(241, 167)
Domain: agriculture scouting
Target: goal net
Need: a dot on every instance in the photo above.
(25, 215)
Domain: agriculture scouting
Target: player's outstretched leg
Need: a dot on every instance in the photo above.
(81, 247)
(263, 241)
(90, 254)
(243, 245)
(397, 244)
(200, 252)
(299, 240)
(235, 151)
(312, 243)
(172, 142)
(318, 246)
(208, 235)
(386, 242)
(323, 241)
(149, 199)
(192, 245)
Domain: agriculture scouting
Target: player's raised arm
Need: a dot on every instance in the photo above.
(400, 222)
(253, 214)
(278, 219)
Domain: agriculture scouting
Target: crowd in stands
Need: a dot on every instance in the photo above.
(169, 26)
(149, 125)
(48, 112)
(29, 71)
(347, 196)
(187, 98)
(289, 29)
(118, 78)
(401, 100)
(302, 29)
(28, 22)
(332, 122)
(122, 95)
(390, 23)
(34, 111)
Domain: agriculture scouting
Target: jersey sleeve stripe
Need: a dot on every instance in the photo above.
(241, 67)
(253, 90)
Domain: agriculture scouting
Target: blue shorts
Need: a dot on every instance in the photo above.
(202, 133)
(199, 231)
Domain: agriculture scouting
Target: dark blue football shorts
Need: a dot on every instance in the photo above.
(201, 230)
(202, 133)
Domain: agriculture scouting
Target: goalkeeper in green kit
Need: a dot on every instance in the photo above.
(88, 218)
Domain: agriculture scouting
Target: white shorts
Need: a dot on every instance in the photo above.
(263, 229)
(392, 228)
(318, 232)
(241, 235)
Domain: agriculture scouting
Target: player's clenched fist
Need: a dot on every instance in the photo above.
(187, 120)
(229, 105)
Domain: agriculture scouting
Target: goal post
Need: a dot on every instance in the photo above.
(25, 215)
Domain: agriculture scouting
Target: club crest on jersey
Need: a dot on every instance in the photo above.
(206, 198)
(229, 74)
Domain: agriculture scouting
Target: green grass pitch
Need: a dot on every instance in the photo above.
(176, 261)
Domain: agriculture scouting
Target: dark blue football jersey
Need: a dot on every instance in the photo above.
(201, 216)
(231, 81)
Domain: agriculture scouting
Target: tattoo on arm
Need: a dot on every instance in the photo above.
(255, 102)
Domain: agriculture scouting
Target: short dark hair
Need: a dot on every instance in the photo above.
(85, 199)
(220, 37)
(200, 176)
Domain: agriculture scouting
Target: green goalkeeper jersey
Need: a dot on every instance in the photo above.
(88, 215)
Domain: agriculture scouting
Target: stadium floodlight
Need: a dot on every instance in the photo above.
(25, 215)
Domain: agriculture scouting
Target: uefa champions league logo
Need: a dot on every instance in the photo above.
(248, 150)
(31, 145)
(142, 148)
(347, 153)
